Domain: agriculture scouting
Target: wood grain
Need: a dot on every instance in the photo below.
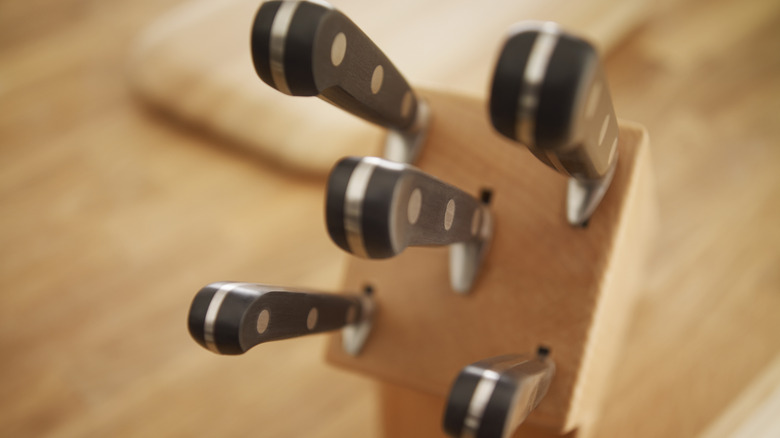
(112, 217)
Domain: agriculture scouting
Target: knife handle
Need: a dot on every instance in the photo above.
(230, 317)
(308, 48)
(491, 398)
(375, 208)
(550, 93)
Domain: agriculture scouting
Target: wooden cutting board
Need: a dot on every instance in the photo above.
(194, 63)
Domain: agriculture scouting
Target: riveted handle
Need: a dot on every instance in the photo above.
(492, 397)
(308, 48)
(375, 208)
(231, 317)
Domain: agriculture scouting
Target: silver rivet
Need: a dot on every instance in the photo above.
(338, 49)
(377, 78)
(406, 104)
(414, 207)
(311, 320)
(449, 215)
(475, 221)
(604, 129)
(262, 321)
(612, 150)
(593, 100)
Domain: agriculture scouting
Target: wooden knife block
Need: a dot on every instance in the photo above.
(544, 282)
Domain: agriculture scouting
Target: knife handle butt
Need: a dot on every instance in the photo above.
(492, 397)
(550, 93)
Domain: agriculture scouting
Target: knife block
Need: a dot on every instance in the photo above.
(543, 282)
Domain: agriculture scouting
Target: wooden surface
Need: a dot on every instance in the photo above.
(112, 217)
(195, 64)
(543, 282)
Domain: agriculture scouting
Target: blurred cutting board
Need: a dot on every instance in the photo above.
(194, 62)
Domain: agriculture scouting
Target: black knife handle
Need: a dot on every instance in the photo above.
(375, 208)
(307, 48)
(550, 93)
(231, 317)
(491, 398)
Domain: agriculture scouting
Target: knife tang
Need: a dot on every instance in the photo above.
(231, 317)
(550, 93)
(308, 48)
(375, 208)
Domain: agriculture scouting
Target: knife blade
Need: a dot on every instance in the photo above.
(492, 397)
(550, 93)
(232, 317)
(309, 48)
(376, 208)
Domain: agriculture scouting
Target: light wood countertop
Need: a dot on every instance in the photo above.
(112, 216)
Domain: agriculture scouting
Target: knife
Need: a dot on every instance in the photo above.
(308, 48)
(492, 397)
(231, 317)
(376, 208)
(550, 93)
